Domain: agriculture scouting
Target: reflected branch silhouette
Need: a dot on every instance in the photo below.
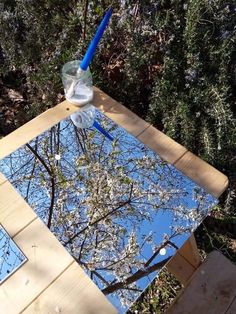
(51, 175)
(113, 205)
(136, 276)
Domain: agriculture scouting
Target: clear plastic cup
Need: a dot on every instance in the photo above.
(85, 117)
(78, 84)
(78, 87)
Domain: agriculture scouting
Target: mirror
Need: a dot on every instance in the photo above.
(11, 257)
(116, 206)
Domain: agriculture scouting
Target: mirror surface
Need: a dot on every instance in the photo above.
(119, 209)
(11, 257)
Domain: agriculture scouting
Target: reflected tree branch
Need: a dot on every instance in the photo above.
(97, 221)
(168, 242)
(100, 197)
(52, 180)
(101, 218)
(28, 186)
(136, 276)
(100, 277)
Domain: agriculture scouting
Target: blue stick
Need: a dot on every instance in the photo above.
(94, 43)
(104, 132)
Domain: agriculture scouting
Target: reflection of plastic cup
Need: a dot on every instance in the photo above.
(78, 84)
(85, 117)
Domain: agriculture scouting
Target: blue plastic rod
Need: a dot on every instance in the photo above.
(100, 129)
(94, 43)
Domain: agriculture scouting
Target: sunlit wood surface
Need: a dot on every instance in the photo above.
(211, 290)
(51, 282)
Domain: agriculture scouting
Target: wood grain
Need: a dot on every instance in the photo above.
(211, 290)
(212, 180)
(190, 252)
(2, 178)
(47, 259)
(111, 108)
(72, 293)
(36, 126)
(15, 213)
(195, 168)
(165, 147)
(119, 113)
(49, 264)
(180, 268)
(232, 307)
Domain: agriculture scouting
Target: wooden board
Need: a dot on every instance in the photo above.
(184, 264)
(166, 148)
(49, 118)
(47, 262)
(47, 259)
(2, 178)
(212, 180)
(211, 290)
(72, 293)
(15, 213)
(232, 307)
(180, 268)
(190, 252)
(195, 168)
(36, 126)
(119, 113)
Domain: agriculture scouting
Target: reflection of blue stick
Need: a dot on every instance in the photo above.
(100, 129)
(93, 45)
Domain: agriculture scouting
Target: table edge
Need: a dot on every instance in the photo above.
(206, 176)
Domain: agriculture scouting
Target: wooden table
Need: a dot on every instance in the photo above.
(207, 293)
(51, 281)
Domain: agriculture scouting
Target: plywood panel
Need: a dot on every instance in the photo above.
(47, 259)
(190, 252)
(203, 174)
(180, 268)
(165, 147)
(72, 293)
(211, 289)
(232, 308)
(119, 113)
(15, 213)
(2, 178)
(187, 255)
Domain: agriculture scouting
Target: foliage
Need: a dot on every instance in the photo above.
(194, 95)
(158, 296)
(172, 62)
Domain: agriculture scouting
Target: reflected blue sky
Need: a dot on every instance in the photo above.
(11, 257)
(111, 204)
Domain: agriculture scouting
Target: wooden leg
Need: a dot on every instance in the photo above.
(185, 261)
(180, 268)
(190, 252)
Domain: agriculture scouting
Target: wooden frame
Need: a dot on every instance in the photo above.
(212, 288)
(33, 287)
(196, 169)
